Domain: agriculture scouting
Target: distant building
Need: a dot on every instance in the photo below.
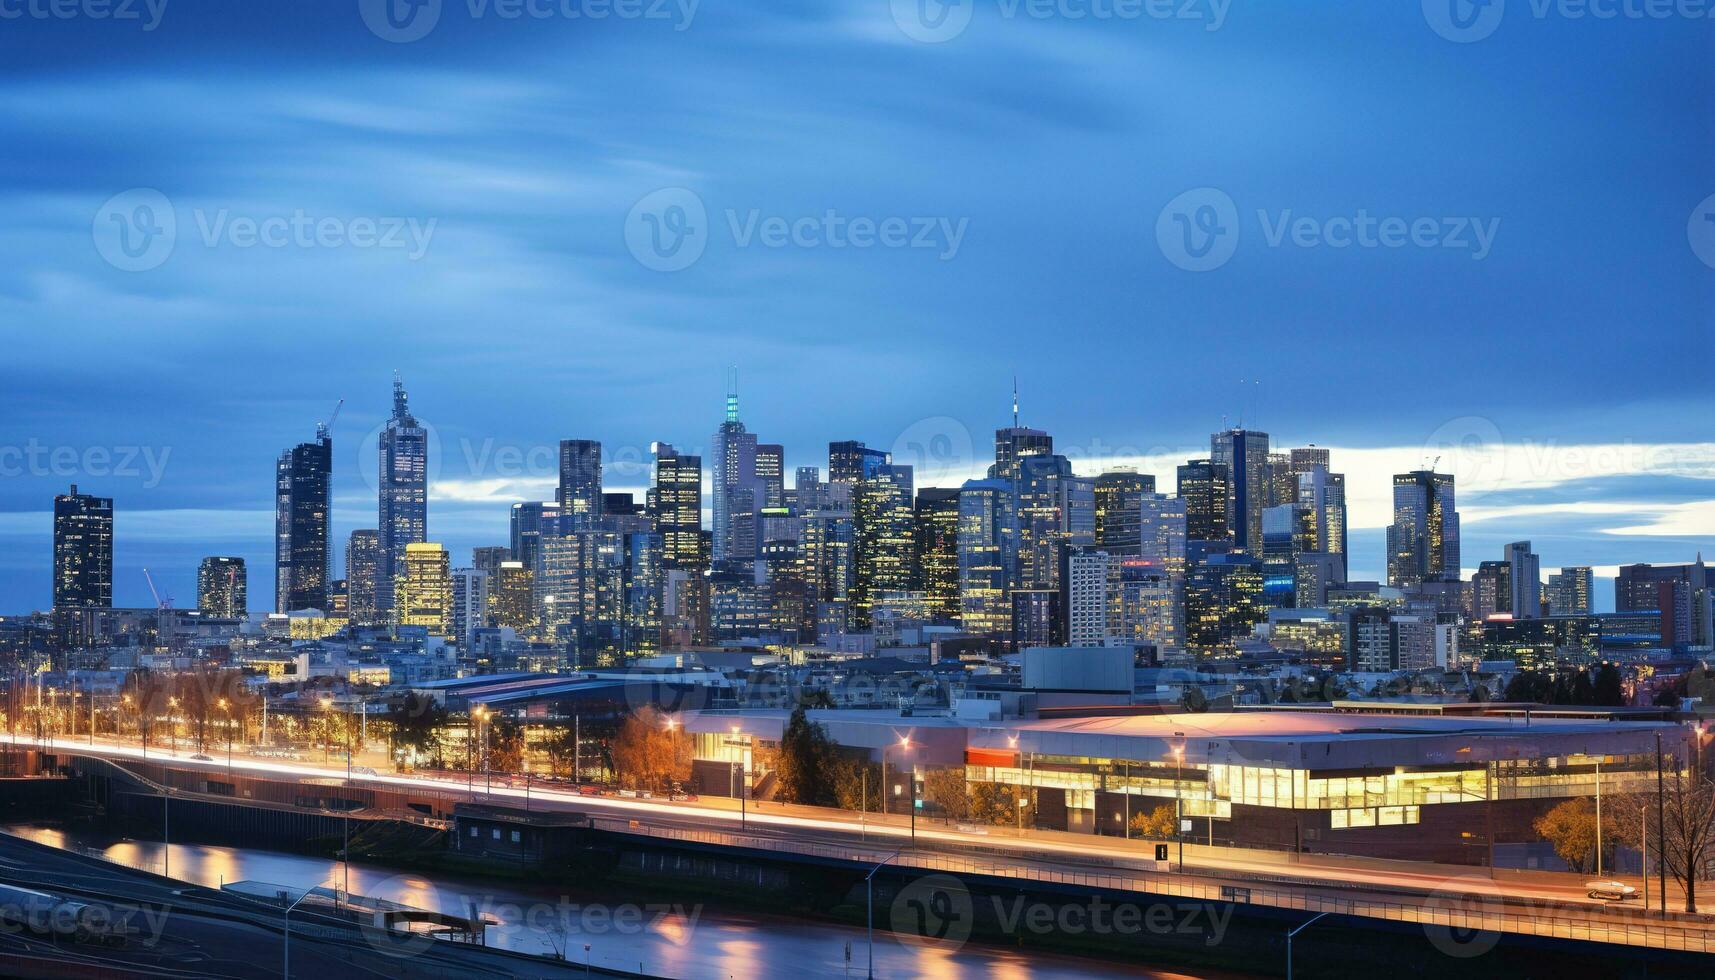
(471, 602)
(937, 547)
(530, 521)
(423, 596)
(363, 577)
(1569, 590)
(83, 551)
(1118, 494)
(509, 596)
(1423, 540)
(677, 506)
(222, 588)
(580, 482)
(1245, 455)
(404, 498)
(302, 519)
(1202, 486)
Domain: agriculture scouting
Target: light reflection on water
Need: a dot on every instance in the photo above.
(661, 939)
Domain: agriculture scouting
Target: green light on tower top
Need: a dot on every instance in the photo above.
(732, 395)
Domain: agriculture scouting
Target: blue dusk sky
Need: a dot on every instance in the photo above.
(1399, 230)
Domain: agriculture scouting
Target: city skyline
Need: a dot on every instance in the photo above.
(944, 454)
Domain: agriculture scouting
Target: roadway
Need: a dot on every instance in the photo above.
(1538, 902)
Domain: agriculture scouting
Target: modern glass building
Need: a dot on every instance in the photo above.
(302, 518)
(83, 551)
(222, 588)
(580, 482)
(1423, 540)
(404, 494)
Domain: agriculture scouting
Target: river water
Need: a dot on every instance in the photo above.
(696, 942)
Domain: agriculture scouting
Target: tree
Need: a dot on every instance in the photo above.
(995, 803)
(647, 754)
(805, 766)
(505, 745)
(1571, 828)
(1160, 823)
(857, 784)
(416, 723)
(1684, 813)
(948, 789)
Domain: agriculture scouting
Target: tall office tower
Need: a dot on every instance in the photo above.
(222, 588)
(1638, 588)
(1055, 511)
(1161, 534)
(1569, 591)
(580, 593)
(882, 518)
(851, 461)
(1324, 494)
(1282, 482)
(1300, 460)
(805, 478)
(771, 470)
(1015, 443)
(1287, 530)
(509, 596)
(937, 561)
(1423, 540)
(620, 503)
(530, 521)
(472, 599)
(642, 609)
(679, 507)
(1086, 588)
(738, 491)
(1492, 590)
(83, 551)
(1202, 486)
(1245, 455)
(1152, 609)
(1223, 602)
(985, 519)
(1118, 492)
(302, 519)
(83, 560)
(828, 552)
(404, 476)
(580, 482)
(488, 558)
(1526, 580)
(363, 577)
(423, 593)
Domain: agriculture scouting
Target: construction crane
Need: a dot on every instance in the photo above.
(161, 602)
(323, 427)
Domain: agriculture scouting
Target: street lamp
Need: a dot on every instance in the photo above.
(869, 903)
(226, 709)
(286, 945)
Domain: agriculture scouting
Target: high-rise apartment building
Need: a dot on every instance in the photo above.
(1423, 541)
(363, 577)
(83, 551)
(472, 591)
(1569, 591)
(580, 483)
(423, 595)
(222, 587)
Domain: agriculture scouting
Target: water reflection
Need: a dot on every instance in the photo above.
(661, 939)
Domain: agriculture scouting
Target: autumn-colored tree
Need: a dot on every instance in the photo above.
(1683, 814)
(650, 754)
(857, 784)
(1158, 824)
(996, 803)
(949, 790)
(1571, 828)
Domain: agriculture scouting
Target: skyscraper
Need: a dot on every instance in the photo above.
(580, 482)
(882, 517)
(771, 470)
(738, 491)
(1569, 591)
(423, 593)
(222, 588)
(1118, 493)
(678, 503)
(363, 577)
(1202, 485)
(509, 596)
(530, 520)
(1245, 455)
(1423, 540)
(83, 551)
(1526, 581)
(302, 518)
(404, 476)
(489, 557)
(937, 563)
(471, 598)
(984, 519)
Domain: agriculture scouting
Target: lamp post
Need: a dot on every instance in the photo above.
(1293, 932)
(1179, 797)
(286, 945)
(1660, 830)
(869, 902)
(226, 709)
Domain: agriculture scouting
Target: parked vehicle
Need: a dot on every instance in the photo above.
(1611, 891)
(199, 757)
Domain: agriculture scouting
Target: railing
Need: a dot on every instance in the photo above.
(1446, 910)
